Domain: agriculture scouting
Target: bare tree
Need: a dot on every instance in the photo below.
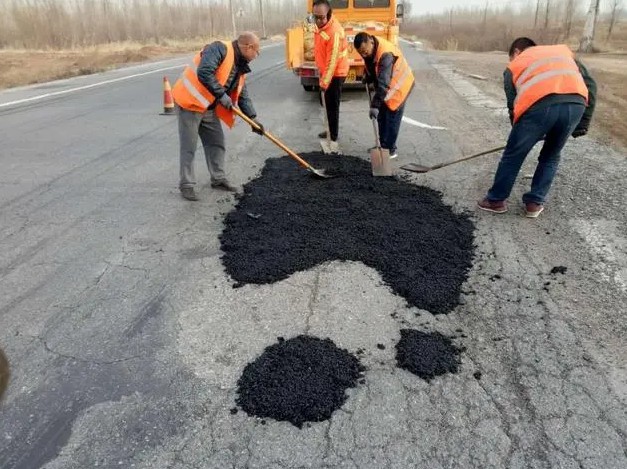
(587, 40)
(263, 19)
(568, 17)
(617, 9)
(546, 14)
(535, 23)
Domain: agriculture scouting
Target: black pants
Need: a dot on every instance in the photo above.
(332, 97)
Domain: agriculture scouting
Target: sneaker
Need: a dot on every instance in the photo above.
(494, 206)
(393, 155)
(223, 185)
(532, 209)
(322, 134)
(188, 193)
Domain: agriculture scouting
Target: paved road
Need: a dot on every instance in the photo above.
(126, 338)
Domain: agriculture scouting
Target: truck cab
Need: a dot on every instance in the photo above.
(377, 17)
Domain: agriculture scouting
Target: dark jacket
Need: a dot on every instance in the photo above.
(510, 94)
(383, 78)
(211, 57)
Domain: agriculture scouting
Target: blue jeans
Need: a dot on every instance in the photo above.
(389, 126)
(555, 123)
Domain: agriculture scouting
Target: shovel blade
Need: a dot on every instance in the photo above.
(416, 168)
(380, 162)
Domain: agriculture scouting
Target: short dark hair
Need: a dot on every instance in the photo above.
(521, 44)
(324, 2)
(360, 39)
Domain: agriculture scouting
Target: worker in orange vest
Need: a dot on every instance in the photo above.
(393, 81)
(205, 94)
(331, 53)
(550, 96)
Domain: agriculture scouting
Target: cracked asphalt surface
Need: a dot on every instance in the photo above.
(125, 337)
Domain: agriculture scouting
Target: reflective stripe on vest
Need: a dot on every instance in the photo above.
(402, 75)
(335, 64)
(540, 71)
(191, 94)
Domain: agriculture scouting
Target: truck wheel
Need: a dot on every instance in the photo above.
(309, 87)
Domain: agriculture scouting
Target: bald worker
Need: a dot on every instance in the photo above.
(205, 94)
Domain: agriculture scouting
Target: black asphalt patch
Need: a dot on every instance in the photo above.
(299, 380)
(426, 355)
(421, 249)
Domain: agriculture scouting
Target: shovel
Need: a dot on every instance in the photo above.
(319, 173)
(418, 168)
(379, 157)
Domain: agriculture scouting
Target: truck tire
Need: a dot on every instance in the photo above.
(309, 87)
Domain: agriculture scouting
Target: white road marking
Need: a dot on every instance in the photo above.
(85, 87)
(101, 83)
(408, 120)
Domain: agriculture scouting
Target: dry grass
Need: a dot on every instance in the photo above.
(609, 71)
(42, 66)
(483, 30)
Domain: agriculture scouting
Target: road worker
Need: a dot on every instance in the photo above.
(331, 53)
(205, 94)
(393, 82)
(550, 96)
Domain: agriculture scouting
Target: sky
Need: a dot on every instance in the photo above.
(436, 6)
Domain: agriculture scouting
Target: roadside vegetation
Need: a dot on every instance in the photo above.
(42, 40)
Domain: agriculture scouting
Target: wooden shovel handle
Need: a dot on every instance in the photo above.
(476, 155)
(273, 139)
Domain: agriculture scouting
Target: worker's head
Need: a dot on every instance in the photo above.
(322, 12)
(248, 44)
(364, 44)
(519, 45)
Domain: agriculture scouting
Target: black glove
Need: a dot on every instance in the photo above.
(367, 79)
(259, 130)
(374, 113)
(580, 132)
(226, 101)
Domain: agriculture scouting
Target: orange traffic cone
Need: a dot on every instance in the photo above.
(168, 101)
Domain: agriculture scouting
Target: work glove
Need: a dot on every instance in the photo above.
(374, 113)
(260, 130)
(367, 79)
(226, 101)
(580, 132)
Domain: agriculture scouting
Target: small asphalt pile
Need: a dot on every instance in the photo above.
(299, 380)
(286, 221)
(426, 355)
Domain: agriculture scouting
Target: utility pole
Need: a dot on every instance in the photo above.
(587, 39)
(233, 18)
(485, 17)
(263, 20)
(546, 15)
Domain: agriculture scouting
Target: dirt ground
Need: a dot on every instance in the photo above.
(21, 67)
(609, 71)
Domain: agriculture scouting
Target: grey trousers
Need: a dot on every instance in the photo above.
(209, 128)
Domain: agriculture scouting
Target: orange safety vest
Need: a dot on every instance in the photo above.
(543, 70)
(331, 51)
(189, 93)
(402, 75)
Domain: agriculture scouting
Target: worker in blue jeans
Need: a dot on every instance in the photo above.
(550, 96)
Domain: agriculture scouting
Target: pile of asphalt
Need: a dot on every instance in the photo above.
(287, 221)
(299, 380)
(426, 355)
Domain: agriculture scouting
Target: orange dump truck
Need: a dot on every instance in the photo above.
(376, 17)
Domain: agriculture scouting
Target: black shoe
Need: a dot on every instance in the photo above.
(223, 185)
(188, 193)
(322, 134)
